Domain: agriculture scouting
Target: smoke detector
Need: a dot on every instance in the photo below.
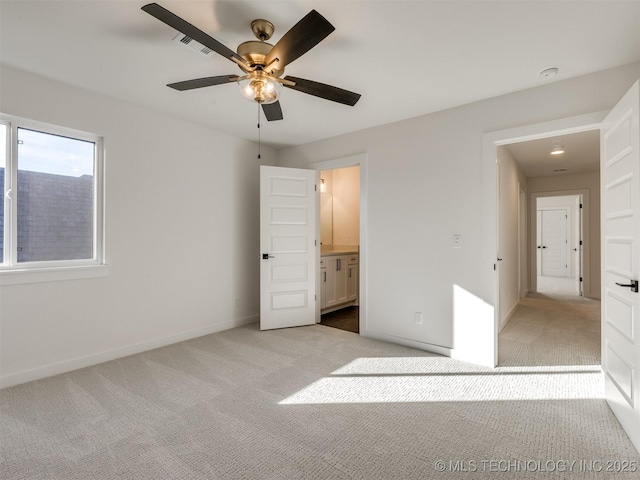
(548, 73)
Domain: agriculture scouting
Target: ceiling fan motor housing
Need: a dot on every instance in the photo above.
(255, 53)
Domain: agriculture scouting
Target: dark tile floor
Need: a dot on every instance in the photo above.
(344, 319)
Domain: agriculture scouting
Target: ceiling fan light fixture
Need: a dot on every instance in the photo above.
(557, 150)
(260, 88)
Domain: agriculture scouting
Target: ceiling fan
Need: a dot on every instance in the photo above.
(262, 64)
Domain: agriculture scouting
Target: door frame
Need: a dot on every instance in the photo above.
(343, 162)
(523, 265)
(584, 227)
(491, 142)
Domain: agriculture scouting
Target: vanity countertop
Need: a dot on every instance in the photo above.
(338, 249)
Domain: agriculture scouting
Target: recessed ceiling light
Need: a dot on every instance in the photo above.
(549, 72)
(557, 150)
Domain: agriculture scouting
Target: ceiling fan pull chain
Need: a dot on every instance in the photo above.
(259, 144)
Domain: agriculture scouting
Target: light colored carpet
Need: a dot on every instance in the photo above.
(319, 403)
(557, 285)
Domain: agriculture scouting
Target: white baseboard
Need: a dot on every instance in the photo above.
(427, 347)
(86, 361)
(508, 317)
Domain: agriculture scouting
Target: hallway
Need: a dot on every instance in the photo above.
(551, 329)
(557, 286)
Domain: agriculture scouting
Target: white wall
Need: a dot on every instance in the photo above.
(511, 177)
(182, 237)
(424, 184)
(550, 186)
(346, 206)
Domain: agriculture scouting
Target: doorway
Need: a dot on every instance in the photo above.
(339, 251)
(559, 245)
(494, 224)
(342, 290)
(618, 129)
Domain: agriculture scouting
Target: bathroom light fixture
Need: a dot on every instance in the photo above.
(323, 187)
(557, 150)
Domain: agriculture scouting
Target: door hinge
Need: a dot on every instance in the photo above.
(315, 298)
(580, 278)
(494, 266)
(315, 188)
(580, 205)
(580, 242)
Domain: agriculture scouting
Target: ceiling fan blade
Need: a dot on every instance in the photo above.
(189, 30)
(302, 37)
(203, 82)
(321, 90)
(272, 111)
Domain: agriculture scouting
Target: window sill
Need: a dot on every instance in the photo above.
(53, 274)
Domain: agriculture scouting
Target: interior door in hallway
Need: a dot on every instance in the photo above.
(577, 245)
(290, 251)
(620, 217)
(553, 226)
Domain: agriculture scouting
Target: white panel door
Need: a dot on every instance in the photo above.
(289, 249)
(620, 189)
(554, 242)
(539, 242)
(577, 248)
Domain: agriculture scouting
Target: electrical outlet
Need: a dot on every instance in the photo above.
(457, 241)
(418, 318)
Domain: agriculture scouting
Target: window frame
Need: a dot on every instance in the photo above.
(12, 271)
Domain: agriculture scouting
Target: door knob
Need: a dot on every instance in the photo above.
(266, 256)
(633, 285)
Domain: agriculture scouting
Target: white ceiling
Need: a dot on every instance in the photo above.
(581, 154)
(406, 58)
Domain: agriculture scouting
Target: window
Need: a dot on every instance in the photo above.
(51, 211)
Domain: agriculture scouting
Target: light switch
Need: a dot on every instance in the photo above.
(457, 241)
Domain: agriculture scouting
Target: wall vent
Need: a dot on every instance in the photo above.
(560, 170)
(187, 41)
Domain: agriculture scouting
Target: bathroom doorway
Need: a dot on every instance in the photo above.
(340, 248)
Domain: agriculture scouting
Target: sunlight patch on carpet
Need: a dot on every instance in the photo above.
(438, 379)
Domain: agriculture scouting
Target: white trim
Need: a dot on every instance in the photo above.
(491, 141)
(522, 238)
(351, 161)
(509, 315)
(342, 162)
(50, 270)
(585, 233)
(94, 359)
(39, 275)
(426, 347)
